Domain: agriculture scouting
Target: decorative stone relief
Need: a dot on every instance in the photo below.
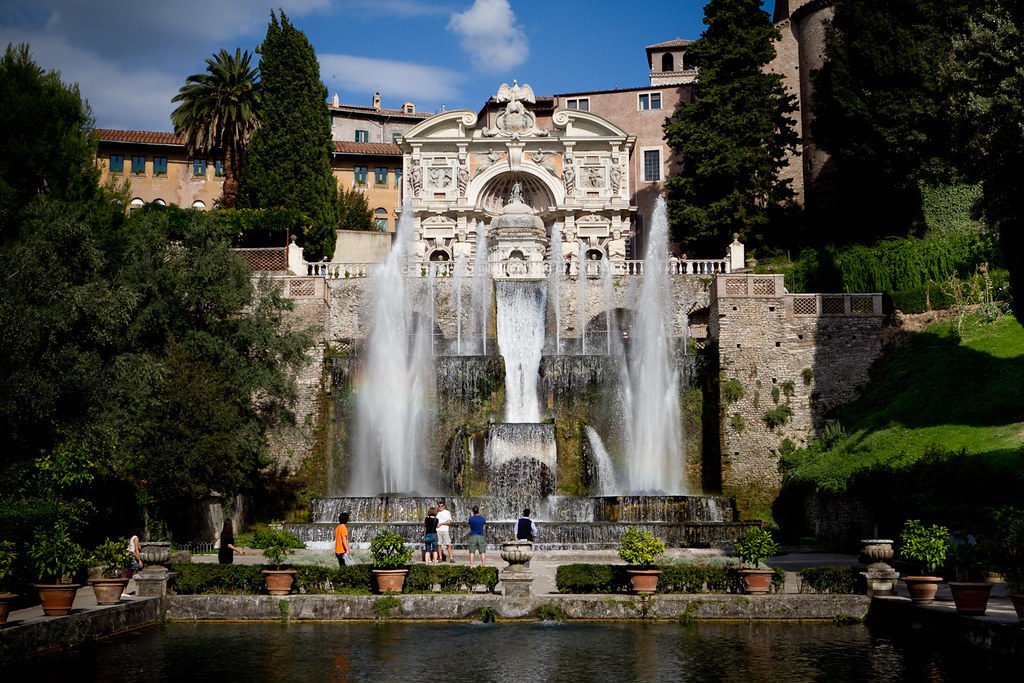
(616, 247)
(593, 226)
(616, 178)
(540, 157)
(438, 227)
(440, 178)
(416, 180)
(515, 120)
(569, 176)
(487, 161)
(463, 179)
(592, 177)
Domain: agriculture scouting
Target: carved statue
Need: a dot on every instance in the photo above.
(515, 120)
(570, 247)
(569, 176)
(540, 157)
(516, 196)
(419, 246)
(440, 177)
(463, 179)
(488, 161)
(593, 176)
(461, 246)
(416, 180)
(616, 246)
(616, 179)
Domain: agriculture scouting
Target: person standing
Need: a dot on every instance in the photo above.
(525, 529)
(342, 549)
(444, 531)
(477, 536)
(430, 536)
(227, 552)
(135, 548)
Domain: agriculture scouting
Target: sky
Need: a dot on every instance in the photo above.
(130, 57)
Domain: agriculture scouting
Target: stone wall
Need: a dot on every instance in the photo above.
(780, 353)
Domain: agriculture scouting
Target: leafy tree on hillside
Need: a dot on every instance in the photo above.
(289, 158)
(734, 139)
(219, 112)
(878, 111)
(354, 211)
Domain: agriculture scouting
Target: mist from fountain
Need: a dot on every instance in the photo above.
(581, 298)
(608, 290)
(521, 308)
(557, 266)
(607, 485)
(651, 384)
(458, 282)
(480, 300)
(392, 414)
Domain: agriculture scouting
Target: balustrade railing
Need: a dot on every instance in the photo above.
(521, 268)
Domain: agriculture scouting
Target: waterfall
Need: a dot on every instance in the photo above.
(609, 303)
(392, 395)
(457, 284)
(652, 387)
(521, 308)
(522, 459)
(581, 298)
(606, 484)
(557, 267)
(432, 295)
(480, 301)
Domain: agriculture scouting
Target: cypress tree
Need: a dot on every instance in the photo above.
(733, 140)
(289, 159)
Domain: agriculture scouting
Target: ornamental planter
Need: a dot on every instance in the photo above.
(5, 606)
(756, 580)
(57, 598)
(390, 580)
(279, 581)
(922, 589)
(516, 553)
(1018, 604)
(971, 597)
(108, 591)
(643, 581)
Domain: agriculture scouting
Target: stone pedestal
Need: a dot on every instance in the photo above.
(153, 584)
(881, 577)
(517, 584)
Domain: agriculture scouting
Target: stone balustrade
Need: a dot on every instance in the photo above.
(300, 287)
(334, 270)
(753, 286)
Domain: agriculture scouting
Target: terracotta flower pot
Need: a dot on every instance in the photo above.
(1018, 604)
(922, 589)
(279, 581)
(5, 606)
(108, 591)
(756, 580)
(971, 597)
(643, 580)
(390, 580)
(57, 598)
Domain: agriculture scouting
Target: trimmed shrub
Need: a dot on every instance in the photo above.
(829, 579)
(422, 578)
(693, 578)
(204, 579)
(354, 578)
(590, 578)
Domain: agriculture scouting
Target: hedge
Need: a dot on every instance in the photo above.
(452, 579)
(675, 578)
(830, 579)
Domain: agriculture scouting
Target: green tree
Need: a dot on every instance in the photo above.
(985, 82)
(289, 159)
(878, 105)
(46, 146)
(219, 112)
(354, 211)
(734, 139)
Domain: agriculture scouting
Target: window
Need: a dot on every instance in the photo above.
(218, 168)
(398, 177)
(668, 62)
(380, 219)
(395, 134)
(138, 165)
(652, 165)
(199, 167)
(380, 176)
(116, 164)
(160, 202)
(581, 103)
(362, 136)
(159, 166)
(650, 100)
(360, 175)
(199, 204)
(136, 204)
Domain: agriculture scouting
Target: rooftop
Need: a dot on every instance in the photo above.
(367, 148)
(139, 137)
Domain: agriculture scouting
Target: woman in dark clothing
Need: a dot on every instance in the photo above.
(430, 536)
(226, 554)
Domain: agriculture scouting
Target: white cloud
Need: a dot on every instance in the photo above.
(395, 80)
(488, 32)
(395, 8)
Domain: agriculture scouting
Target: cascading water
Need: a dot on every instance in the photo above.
(606, 481)
(557, 267)
(521, 307)
(652, 383)
(581, 298)
(609, 303)
(392, 393)
(457, 285)
(480, 301)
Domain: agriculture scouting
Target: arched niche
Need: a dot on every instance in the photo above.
(493, 190)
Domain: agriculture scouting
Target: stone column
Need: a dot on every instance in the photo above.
(516, 578)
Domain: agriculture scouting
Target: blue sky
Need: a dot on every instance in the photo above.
(131, 56)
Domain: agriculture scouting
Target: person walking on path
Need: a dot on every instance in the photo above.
(226, 553)
(430, 536)
(477, 536)
(444, 531)
(342, 549)
(135, 549)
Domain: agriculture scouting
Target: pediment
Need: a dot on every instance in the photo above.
(450, 124)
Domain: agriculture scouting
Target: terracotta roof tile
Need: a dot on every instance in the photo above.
(677, 42)
(146, 137)
(359, 109)
(370, 148)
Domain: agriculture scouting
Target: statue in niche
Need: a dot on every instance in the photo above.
(463, 179)
(488, 161)
(541, 159)
(616, 178)
(569, 176)
(616, 247)
(516, 196)
(416, 180)
(461, 246)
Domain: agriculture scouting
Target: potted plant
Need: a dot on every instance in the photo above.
(391, 558)
(970, 592)
(927, 547)
(1006, 551)
(277, 545)
(57, 560)
(114, 559)
(756, 546)
(639, 549)
(7, 557)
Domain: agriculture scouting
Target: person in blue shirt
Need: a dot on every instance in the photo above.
(477, 536)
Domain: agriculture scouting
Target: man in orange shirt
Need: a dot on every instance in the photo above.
(341, 546)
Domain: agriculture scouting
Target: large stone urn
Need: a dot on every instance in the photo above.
(155, 553)
(880, 575)
(516, 578)
(153, 579)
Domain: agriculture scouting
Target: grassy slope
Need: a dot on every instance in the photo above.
(931, 393)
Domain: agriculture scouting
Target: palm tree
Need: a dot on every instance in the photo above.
(219, 112)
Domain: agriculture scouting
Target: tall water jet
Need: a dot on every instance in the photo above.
(606, 480)
(556, 266)
(608, 289)
(521, 307)
(480, 301)
(457, 284)
(581, 298)
(392, 393)
(652, 385)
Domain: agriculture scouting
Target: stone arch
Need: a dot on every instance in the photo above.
(668, 62)
(541, 189)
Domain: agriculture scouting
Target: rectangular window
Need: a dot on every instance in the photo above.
(652, 165)
(381, 224)
(138, 165)
(581, 103)
(360, 175)
(218, 168)
(362, 136)
(199, 168)
(159, 166)
(380, 176)
(116, 164)
(395, 134)
(398, 177)
(650, 100)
